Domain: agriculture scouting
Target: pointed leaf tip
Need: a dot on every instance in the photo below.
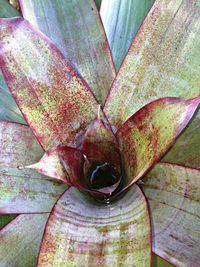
(150, 132)
(54, 99)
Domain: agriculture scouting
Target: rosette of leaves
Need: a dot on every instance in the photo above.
(86, 171)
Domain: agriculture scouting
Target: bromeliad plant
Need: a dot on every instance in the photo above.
(95, 153)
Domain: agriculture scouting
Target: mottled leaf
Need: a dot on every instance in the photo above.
(121, 19)
(75, 27)
(23, 191)
(82, 233)
(20, 240)
(173, 193)
(54, 99)
(151, 131)
(63, 163)
(8, 107)
(163, 60)
(186, 150)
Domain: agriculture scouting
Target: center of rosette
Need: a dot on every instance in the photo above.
(103, 175)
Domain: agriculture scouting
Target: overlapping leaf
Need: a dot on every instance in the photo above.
(54, 99)
(76, 29)
(121, 19)
(23, 191)
(148, 134)
(20, 240)
(163, 60)
(81, 233)
(173, 193)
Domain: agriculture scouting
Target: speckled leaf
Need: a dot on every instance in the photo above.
(121, 19)
(23, 191)
(63, 163)
(75, 27)
(151, 131)
(173, 193)
(82, 233)
(163, 60)
(8, 107)
(20, 240)
(186, 150)
(18, 147)
(54, 99)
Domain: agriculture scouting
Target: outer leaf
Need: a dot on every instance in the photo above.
(55, 101)
(148, 134)
(174, 197)
(121, 19)
(81, 233)
(8, 107)
(76, 29)
(23, 191)
(186, 149)
(163, 60)
(20, 240)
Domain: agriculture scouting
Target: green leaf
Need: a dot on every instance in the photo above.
(54, 99)
(20, 240)
(186, 149)
(163, 60)
(121, 19)
(23, 191)
(82, 233)
(98, 3)
(5, 219)
(150, 132)
(76, 29)
(173, 193)
(8, 108)
(7, 11)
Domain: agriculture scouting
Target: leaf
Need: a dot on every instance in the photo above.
(5, 219)
(6, 10)
(162, 62)
(23, 191)
(8, 108)
(186, 149)
(76, 29)
(82, 233)
(63, 163)
(98, 3)
(20, 240)
(100, 145)
(121, 20)
(173, 193)
(54, 99)
(150, 132)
